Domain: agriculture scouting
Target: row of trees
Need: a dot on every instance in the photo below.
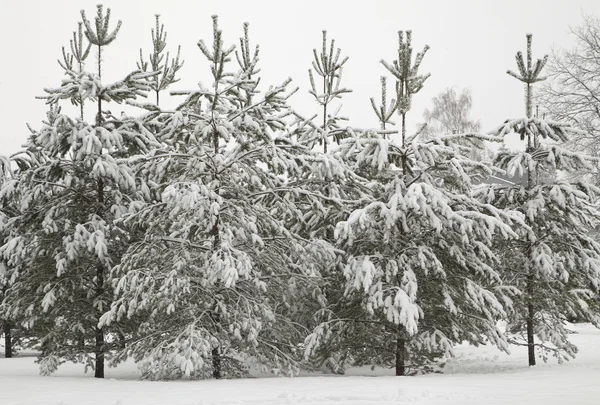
(233, 232)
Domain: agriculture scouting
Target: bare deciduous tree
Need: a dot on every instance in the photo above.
(450, 113)
(572, 92)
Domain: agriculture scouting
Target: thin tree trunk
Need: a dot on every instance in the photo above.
(216, 363)
(99, 353)
(400, 354)
(324, 135)
(122, 342)
(216, 353)
(531, 182)
(530, 337)
(403, 143)
(530, 320)
(8, 351)
(99, 347)
(325, 116)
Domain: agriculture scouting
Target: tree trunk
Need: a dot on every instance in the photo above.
(99, 352)
(325, 116)
(122, 343)
(216, 363)
(530, 320)
(530, 337)
(400, 354)
(99, 347)
(8, 352)
(403, 144)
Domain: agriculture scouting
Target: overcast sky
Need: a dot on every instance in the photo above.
(473, 43)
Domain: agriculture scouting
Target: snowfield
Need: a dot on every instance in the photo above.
(476, 376)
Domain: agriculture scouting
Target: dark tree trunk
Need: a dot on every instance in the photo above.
(400, 354)
(216, 363)
(530, 322)
(99, 346)
(404, 168)
(121, 336)
(216, 353)
(99, 352)
(8, 351)
(530, 337)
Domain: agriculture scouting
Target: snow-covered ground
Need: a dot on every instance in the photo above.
(478, 376)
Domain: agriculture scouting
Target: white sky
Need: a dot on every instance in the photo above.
(473, 43)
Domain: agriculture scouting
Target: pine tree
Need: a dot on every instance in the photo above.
(74, 184)
(221, 275)
(555, 262)
(418, 268)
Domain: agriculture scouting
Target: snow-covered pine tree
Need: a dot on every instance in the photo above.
(556, 263)
(319, 217)
(74, 183)
(325, 130)
(221, 276)
(418, 271)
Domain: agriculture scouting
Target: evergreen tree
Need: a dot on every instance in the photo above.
(555, 262)
(221, 275)
(418, 268)
(75, 182)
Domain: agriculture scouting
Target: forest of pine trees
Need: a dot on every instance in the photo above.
(234, 233)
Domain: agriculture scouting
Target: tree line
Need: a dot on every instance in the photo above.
(232, 232)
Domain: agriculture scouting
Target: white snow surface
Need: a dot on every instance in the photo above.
(477, 376)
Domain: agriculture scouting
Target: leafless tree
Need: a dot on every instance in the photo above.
(450, 114)
(572, 93)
